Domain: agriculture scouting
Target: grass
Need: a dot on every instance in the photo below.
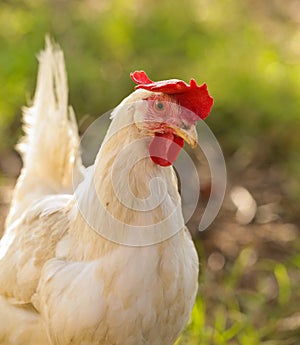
(250, 301)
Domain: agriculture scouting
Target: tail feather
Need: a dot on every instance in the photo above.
(49, 148)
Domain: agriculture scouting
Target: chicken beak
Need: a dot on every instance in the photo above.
(189, 136)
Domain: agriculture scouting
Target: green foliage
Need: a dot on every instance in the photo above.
(229, 311)
(245, 51)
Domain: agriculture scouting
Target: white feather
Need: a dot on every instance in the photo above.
(61, 279)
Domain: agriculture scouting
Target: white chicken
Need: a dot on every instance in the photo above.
(74, 267)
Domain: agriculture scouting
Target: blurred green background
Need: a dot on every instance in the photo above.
(248, 52)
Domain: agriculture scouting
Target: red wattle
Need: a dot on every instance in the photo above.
(164, 148)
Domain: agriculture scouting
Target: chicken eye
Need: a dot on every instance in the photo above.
(159, 106)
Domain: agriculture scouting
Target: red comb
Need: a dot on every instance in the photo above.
(191, 96)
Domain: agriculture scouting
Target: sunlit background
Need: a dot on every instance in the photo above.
(248, 52)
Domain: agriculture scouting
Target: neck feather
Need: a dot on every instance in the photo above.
(126, 197)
